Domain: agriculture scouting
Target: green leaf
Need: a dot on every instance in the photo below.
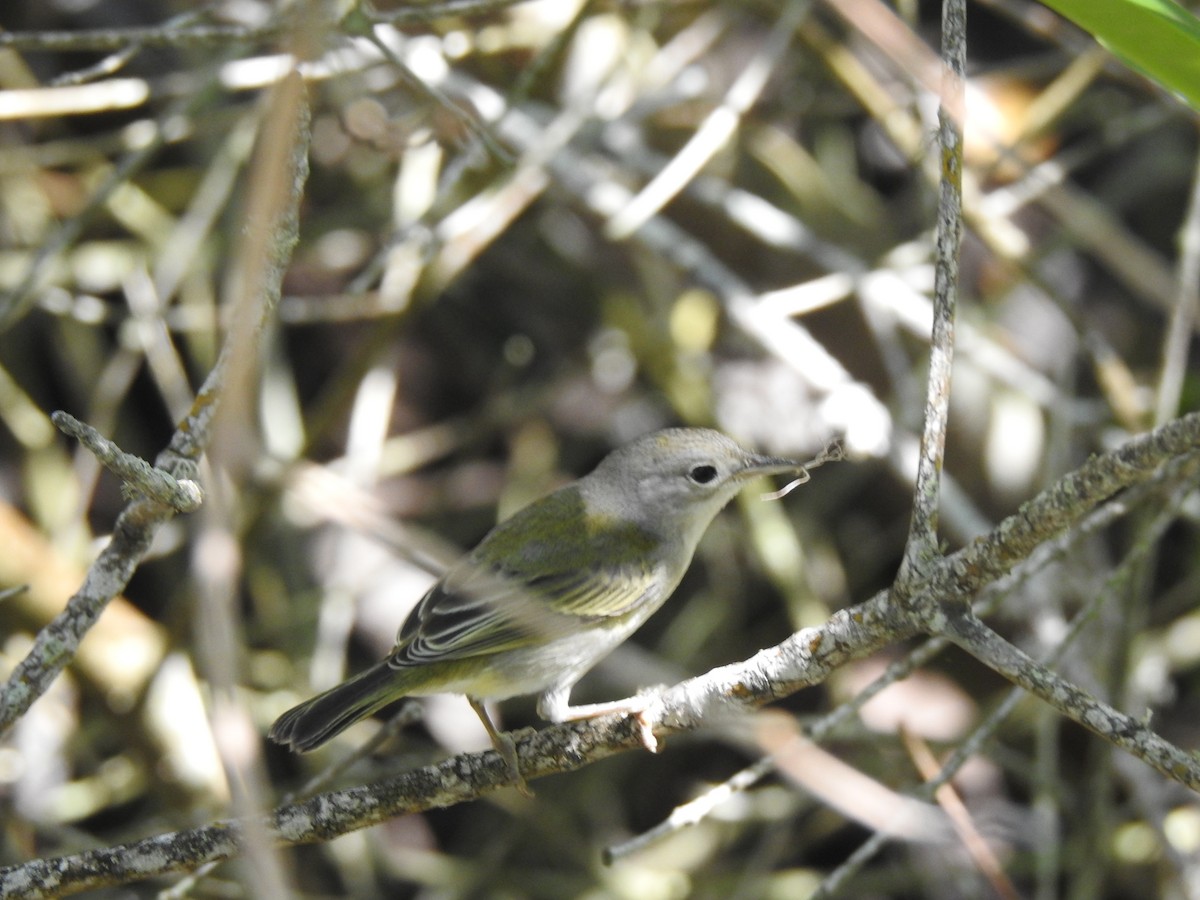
(1157, 37)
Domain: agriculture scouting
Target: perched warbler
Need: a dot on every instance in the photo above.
(552, 590)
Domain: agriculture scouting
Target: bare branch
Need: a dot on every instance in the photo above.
(1063, 504)
(922, 547)
(1120, 729)
(182, 495)
(119, 39)
(171, 34)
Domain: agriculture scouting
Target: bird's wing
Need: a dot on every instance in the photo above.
(471, 613)
(524, 585)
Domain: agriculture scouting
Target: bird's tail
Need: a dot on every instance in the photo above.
(315, 721)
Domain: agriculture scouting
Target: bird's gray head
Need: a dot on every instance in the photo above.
(676, 480)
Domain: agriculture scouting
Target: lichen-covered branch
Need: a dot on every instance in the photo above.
(922, 546)
(181, 494)
(1064, 503)
(56, 644)
(806, 658)
(1072, 701)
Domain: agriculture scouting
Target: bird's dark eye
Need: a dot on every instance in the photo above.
(702, 474)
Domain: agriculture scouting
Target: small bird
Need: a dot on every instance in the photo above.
(550, 591)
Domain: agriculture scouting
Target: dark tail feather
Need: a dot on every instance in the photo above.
(315, 721)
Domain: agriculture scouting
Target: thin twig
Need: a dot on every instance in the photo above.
(18, 301)
(922, 545)
(182, 495)
(117, 60)
(1114, 726)
(716, 130)
(1183, 314)
(429, 12)
(436, 97)
(110, 40)
(169, 34)
(693, 812)
(407, 714)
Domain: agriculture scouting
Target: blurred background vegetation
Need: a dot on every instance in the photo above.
(471, 318)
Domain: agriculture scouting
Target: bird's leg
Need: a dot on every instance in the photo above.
(554, 706)
(504, 745)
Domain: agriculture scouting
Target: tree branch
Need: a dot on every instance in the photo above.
(804, 659)
(1077, 704)
(182, 494)
(922, 547)
(1063, 504)
(171, 34)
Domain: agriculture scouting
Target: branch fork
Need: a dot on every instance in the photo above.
(181, 494)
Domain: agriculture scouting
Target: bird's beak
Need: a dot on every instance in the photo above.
(754, 466)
